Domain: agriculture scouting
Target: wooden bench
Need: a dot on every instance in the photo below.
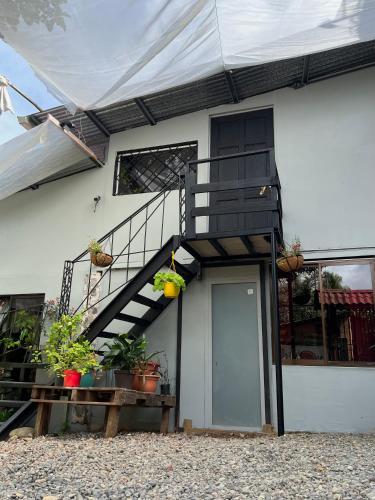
(113, 398)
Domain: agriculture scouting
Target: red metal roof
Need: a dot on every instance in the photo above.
(347, 297)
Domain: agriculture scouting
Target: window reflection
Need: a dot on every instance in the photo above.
(327, 313)
(348, 301)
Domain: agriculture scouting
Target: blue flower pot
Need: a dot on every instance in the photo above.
(87, 380)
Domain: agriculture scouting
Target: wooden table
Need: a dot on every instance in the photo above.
(113, 398)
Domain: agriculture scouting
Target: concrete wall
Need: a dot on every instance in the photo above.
(324, 152)
(329, 399)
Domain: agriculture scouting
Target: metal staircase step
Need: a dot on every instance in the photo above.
(21, 417)
(107, 335)
(132, 319)
(145, 301)
(10, 403)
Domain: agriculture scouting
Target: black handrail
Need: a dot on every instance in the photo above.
(149, 209)
(125, 221)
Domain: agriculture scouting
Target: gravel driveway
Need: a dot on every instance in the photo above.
(188, 467)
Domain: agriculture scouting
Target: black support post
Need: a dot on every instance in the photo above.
(178, 363)
(276, 327)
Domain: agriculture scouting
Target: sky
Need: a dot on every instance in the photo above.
(17, 71)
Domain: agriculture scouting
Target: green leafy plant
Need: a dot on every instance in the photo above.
(171, 277)
(94, 247)
(125, 352)
(5, 414)
(65, 349)
(23, 333)
(293, 249)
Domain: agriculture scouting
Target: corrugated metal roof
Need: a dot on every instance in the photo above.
(214, 91)
(347, 297)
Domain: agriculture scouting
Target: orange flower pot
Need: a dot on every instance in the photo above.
(145, 383)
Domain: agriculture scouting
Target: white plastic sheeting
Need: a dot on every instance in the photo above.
(36, 154)
(99, 52)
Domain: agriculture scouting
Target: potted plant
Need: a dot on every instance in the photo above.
(123, 355)
(98, 257)
(146, 373)
(66, 353)
(291, 257)
(170, 283)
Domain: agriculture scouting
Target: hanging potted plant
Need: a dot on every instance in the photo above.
(66, 353)
(291, 257)
(123, 355)
(98, 257)
(170, 283)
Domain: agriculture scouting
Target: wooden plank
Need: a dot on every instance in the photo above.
(11, 383)
(164, 420)
(10, 403)
(41, 422)
(81, 402)
(111, 427)
(11, 364)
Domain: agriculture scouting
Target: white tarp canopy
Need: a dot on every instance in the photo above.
(95, 53)
(37, 154)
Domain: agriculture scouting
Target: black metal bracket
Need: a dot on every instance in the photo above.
(97, 122)
(232, 86)
(299, 84)
(147, 113)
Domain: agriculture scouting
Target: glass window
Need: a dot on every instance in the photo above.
(152, 169)
(327, 313)
(348, 301)
(300, 315)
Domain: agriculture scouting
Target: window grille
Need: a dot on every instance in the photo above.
(152, 169)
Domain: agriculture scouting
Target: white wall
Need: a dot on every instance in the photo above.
(329, 399)
(324, 151)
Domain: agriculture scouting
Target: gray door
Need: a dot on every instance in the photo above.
(236, 393)
(237, 134)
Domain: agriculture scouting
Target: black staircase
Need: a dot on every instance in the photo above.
(147, 238)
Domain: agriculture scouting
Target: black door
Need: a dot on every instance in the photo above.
(236, 134)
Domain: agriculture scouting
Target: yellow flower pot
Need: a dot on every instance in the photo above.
(171, 291)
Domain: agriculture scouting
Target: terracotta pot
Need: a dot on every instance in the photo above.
(289, 264)
(123, 378)
(149, 369)
(171, 291)
(101, 259)
(72, 378)
(145, 383)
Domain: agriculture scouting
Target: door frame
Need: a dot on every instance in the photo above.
(208, 354)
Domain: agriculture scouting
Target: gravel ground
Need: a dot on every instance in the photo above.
(188, 467)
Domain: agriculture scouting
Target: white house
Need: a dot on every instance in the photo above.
(224, 338)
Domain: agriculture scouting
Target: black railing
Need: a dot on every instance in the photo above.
(139, 237)
(268, 199)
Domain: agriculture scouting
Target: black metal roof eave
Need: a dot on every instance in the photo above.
(223, 88)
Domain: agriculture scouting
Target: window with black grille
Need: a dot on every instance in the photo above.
(152, 169)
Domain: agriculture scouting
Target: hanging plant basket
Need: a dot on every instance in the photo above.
(170, 283)
(101, 259)
(290, 264)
